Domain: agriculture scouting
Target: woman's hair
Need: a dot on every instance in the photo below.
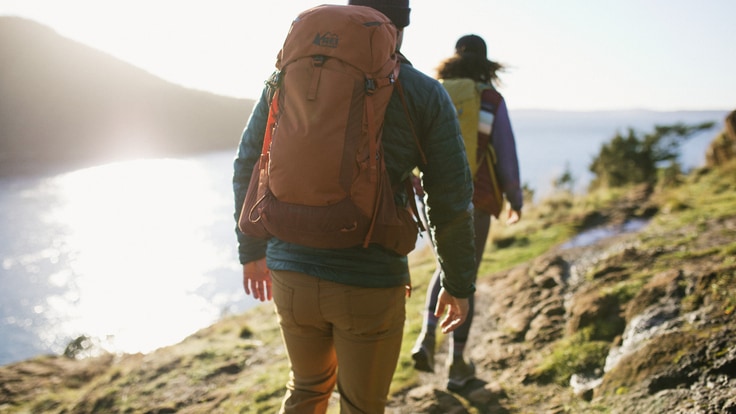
(469, 61)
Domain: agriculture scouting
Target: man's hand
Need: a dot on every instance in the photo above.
(457, 311)
(257, 280)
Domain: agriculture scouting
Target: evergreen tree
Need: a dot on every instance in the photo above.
(631, 159)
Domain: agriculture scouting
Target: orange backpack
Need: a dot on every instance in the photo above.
(321, 180)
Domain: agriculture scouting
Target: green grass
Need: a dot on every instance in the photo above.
(571, 355)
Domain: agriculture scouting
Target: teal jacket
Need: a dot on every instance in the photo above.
(446, 180)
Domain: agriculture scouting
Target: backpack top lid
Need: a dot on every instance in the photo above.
(344, 32)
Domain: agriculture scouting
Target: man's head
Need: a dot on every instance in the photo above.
(396, 10)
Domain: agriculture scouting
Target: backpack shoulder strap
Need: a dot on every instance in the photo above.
(490, 95)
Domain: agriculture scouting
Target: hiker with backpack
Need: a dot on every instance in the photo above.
(468, 76)
(324, 203)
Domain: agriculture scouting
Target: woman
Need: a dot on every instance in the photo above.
(470, 62)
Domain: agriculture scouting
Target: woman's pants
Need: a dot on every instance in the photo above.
(482, 224)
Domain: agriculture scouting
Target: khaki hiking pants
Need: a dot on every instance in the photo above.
(326, 325)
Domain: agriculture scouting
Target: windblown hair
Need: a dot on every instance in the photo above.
(470, 65)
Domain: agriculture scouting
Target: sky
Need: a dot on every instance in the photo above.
(565, 55)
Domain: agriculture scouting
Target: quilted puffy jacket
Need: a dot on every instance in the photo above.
(445, 177)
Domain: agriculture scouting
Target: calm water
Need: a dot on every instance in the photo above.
(141, 254)
(136, 254)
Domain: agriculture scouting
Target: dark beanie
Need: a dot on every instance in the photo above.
(471, 44)
(396, 10)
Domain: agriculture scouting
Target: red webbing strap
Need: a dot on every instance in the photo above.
(263, 159)
(270, 127)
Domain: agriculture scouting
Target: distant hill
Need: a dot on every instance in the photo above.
(63, 103)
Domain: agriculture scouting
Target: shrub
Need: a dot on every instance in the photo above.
(632, 159)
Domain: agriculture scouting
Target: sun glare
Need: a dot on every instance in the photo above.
(138, 252)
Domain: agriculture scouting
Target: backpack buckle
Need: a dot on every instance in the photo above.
(370, 86)
(273, 83)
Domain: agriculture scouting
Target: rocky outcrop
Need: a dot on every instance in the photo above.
(627, 324)
(723, 147)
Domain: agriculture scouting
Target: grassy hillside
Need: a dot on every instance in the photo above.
(547, 316)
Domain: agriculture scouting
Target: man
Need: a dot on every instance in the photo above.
(345, 307)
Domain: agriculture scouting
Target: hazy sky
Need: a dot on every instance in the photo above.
(564, 54)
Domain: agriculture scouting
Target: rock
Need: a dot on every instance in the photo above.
(596, 310)
(723, 147)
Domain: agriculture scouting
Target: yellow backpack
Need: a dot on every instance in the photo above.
(466, 95)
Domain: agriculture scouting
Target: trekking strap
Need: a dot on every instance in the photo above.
(491, 160)
(263, 159)
(371, 85)
(270, 127)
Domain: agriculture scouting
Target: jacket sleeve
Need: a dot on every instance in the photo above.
(504, 144)
(448, 186)
(249, 150)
